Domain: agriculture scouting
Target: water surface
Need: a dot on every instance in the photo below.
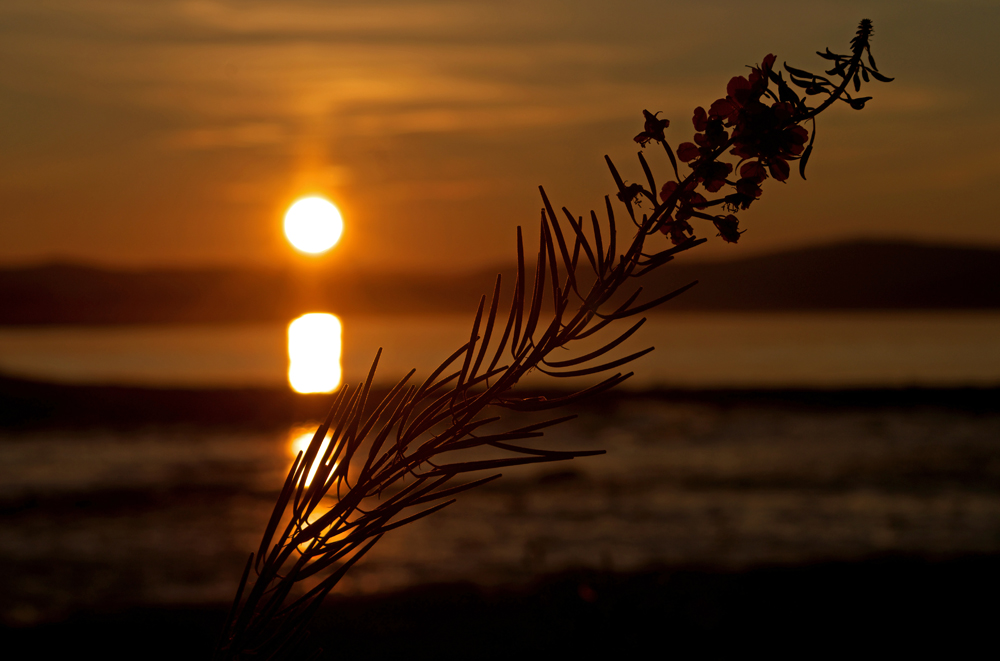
(830, 349)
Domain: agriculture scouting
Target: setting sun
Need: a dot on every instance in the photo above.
(313, 225)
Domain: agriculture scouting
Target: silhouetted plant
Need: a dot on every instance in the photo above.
(387, 463)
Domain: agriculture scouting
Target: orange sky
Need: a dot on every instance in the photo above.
(175, 133)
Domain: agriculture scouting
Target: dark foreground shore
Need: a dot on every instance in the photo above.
(893, 603)
(26, 404)
(791, 522)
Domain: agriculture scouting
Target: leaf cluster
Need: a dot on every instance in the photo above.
(850, 68)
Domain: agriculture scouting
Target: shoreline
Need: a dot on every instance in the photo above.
(27, 404)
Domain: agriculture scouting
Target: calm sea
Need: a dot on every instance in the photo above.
(96, 519)
(886, 349)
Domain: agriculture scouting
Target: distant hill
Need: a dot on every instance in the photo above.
(860, 275)
(863, 275)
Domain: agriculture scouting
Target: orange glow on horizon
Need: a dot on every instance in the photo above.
(313, 225)
(314, 346)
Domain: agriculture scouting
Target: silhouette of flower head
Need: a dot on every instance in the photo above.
(758, 126)
(677, 230)
(685, 201)
(728, 227)
(770, 135)
(713, 174)
(747, 187)
(631, 193)
(742, 95)
(652, 129)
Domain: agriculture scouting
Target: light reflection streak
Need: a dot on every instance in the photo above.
(299, 438)
(300, 443)
(314, 347)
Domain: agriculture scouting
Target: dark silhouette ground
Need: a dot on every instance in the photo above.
(898, 603)
(35, 404)
(891, 604)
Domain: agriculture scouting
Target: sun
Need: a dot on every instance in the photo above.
(313, 225)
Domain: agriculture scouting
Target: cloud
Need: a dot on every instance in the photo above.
(308, 17)
(901, 97)
(240, 135)
(443, 189)
(98, 90)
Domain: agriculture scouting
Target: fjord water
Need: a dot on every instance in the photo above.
(112, 517)
(695, 350)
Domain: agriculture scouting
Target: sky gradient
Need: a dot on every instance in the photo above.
(177, 133)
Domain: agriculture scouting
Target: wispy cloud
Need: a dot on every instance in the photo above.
(240, 135)
(405, 101)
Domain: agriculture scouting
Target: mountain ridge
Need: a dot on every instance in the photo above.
(861, 275)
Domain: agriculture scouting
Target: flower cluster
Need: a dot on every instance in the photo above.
(682, 203)
(765, 136)
(751, 122)
(759, 122)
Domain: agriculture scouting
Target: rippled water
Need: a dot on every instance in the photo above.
(98, 519)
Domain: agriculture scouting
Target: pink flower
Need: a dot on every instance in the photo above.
(688, 151)
(686, 200)
(700, 119)
(631, 193)
(769, 135)
(728, 228)
(779, 168)
(753, 170)
(742, 93)
(713, 174)
(747, 191)
(652, 129)
(676, 230)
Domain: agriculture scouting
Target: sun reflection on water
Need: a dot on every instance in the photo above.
(300, 440)
(314, 348)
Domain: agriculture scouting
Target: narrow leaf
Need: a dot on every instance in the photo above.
(808, 152)
(599, 352)
(658, 301)
(673, 161)
(598, 368)
(649, 173)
